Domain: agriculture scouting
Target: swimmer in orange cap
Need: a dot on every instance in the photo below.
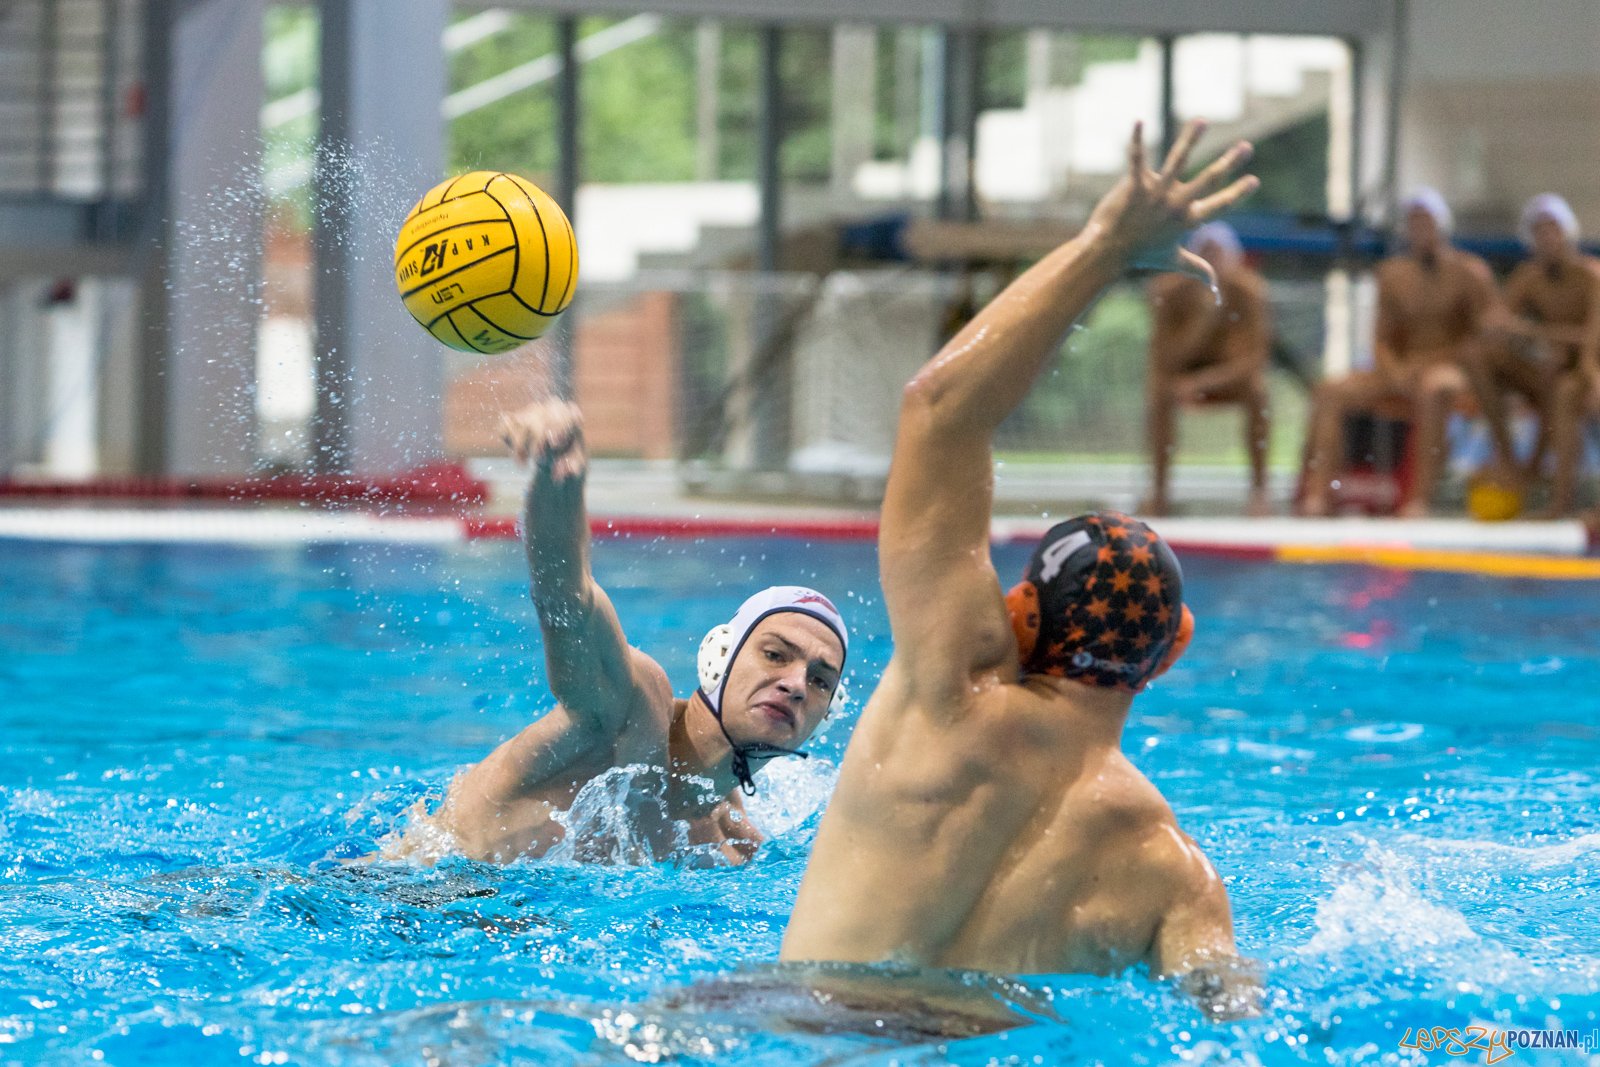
(767, 680)
(985, 815)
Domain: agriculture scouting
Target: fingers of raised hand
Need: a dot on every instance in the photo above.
(565, 429)
(1219, 170)
(1136, 165)
(1211, 206)
(571, 465)
(513, 431)
(1178, 158)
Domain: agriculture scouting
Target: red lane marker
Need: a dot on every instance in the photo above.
(491, 529)
(1222, 551)
(815, 530)
(436, 483)
(819, 530)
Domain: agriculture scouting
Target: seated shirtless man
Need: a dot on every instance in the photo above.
(1539, 345)
(1433, 301)
(985, 816)
(767, 680)
(1205, 352)
(1577, 400)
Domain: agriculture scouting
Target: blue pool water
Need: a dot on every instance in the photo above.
(1396, 774)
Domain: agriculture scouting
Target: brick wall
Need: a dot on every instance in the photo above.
(625, 379)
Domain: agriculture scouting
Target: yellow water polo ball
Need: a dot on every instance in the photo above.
(1491, 502)
(486, 261)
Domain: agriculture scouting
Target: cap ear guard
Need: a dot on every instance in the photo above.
(841, 696)
(1022, 604)
(1180, 645)
(712, 663)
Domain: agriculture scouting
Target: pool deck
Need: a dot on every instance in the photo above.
(643, 500)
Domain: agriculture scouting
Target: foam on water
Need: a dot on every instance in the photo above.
(1378, 906)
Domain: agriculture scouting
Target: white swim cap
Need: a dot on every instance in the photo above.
(1218, 233)
(722, 643)
(1429, 200)
(1547, 206)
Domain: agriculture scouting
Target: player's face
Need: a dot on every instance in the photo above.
(1549, 240)
(780, 683)
(1422, 232)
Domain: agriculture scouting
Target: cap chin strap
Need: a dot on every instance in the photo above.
(742, 753)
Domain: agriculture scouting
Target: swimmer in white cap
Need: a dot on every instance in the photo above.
(986, 816)
(1540, 347)
(1206, 352)
(1433, 301)
(767, 680)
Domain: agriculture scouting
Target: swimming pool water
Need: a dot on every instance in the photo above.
(1395, 773)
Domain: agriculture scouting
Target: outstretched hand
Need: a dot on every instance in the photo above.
(1147, 212)
(549, 435)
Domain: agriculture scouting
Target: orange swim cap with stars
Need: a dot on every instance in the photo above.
(1102, 603)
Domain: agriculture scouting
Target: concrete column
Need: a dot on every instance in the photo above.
(769, 144)
(24, 369)
(907, 83)
(199, 238)
(1399, 47)
(1341, 141)
(70, 443)
(1169, 106)
(381, 146)
(117, 419)
(1338, 326)
(959, 100)
(770, 405)
(562, 347)
(1338, 311)
(1376, 86)
(708, 77)
(567, 112)
(1039, 59)
(215, 233)
(855, 111)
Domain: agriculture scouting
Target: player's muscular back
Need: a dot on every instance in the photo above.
(977, 842)
(1085, 886)
(1433, 308)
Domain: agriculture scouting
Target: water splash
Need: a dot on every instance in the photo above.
(789, 792)
(1378, 908)
(620, 818)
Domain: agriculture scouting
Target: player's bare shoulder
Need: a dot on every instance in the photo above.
(654, 688)
(1117, 799)
(1251, 282)
(1175, 858)
(1395, 270)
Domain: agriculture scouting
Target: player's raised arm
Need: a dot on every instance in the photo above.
(596, 676)
(944, 602)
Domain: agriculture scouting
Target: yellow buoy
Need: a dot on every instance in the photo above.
(1489, 501)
